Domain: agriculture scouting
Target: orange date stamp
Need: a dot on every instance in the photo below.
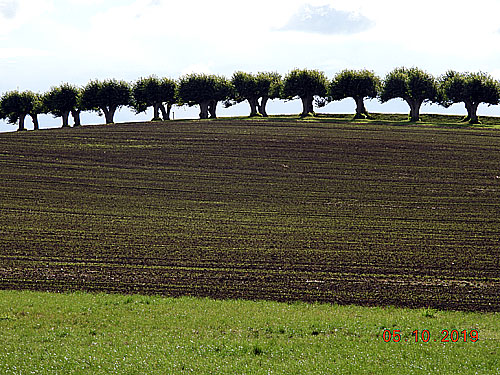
(425, 336)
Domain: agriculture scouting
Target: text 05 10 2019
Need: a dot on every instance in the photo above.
(425, 336)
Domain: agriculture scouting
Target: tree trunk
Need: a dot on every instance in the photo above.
(166, 116)
(254, 103)
(156, 112)
(109, 114)
(76, 117)
(262, 106)
(204, 109)
(65, 119)
(473, 114)
(307, 105)
(106, 114)
(468, 107)
(21, 123)
(212, 108)
(36, 126)
(112, 112)
(361, 112)
(165, 113)
(415, 105)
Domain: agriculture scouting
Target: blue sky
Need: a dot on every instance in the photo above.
(47, 42)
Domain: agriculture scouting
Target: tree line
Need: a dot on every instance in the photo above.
(413, 85)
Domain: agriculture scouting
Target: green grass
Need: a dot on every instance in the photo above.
(82, 333)
(395, 119)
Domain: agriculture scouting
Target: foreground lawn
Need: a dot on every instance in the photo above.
(82, 333)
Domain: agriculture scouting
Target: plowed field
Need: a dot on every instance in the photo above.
(341, 213)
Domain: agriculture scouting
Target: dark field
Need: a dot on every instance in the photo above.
(369, 214)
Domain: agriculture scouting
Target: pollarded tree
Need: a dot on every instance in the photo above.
(15, 106)
(223, 89)
(154, 92)
(269, 87)
(412, 85)
(75, 112)
(245, 88)
(263, 86)
(61, 101)
(204, 90)
(106, 97)
(37, 107)
(471, 89)
(356, 84)
(305, 84)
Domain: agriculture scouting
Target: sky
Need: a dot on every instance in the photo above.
(44, 43)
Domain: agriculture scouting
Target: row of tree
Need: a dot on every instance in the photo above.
(413, 85)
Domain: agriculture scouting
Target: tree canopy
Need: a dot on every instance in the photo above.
(471, 89)
(154, 92)
(246, 87)
(262, 86)
(413, 86)
(15, 106)
(305, 84)
(204, 90)
(37, 107)
(61, 101)
(106, 97)
(270, 86)
(356, 84)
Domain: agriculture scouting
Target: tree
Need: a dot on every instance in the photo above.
(263, 86)
(412, 85)
(356, 84)
(154, 92)
(269, 87)
(61, 101)
(471, 89)
(15, 106)
(204, 90)
(305, 84)
(37, 107)
(75, 112)
(106, 97)
(245, 88)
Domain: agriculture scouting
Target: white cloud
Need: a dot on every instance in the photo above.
(8, 53)
(8, 8)
(85, 2)
(198, 68)
(327, 20)
(132, 38)
(189, 18)
(442, 27)
(16, 13)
